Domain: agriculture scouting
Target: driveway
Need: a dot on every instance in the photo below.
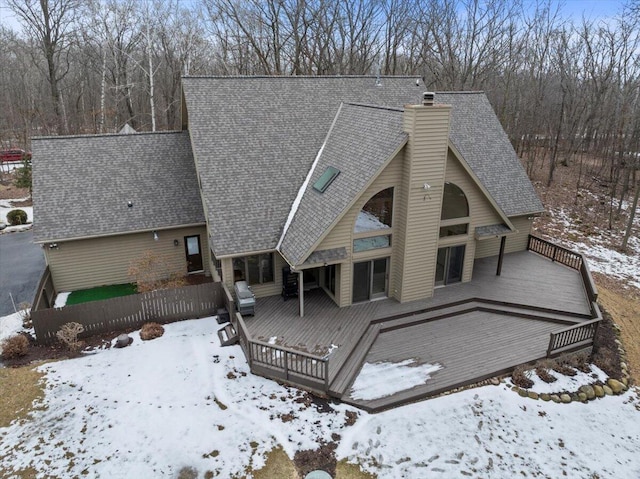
(21, 265)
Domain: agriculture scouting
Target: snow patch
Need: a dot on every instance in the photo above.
(380, 380)
(61, 300)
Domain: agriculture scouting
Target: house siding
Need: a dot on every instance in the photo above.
(425, 161)
(515, 242)
(82, 264)
(342, 234)
(481, 212)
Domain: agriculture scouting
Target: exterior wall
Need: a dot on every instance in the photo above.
(419, 218)
(342, 233)
(260, 290)
(88, 263)
(515, 242)
(481, 213)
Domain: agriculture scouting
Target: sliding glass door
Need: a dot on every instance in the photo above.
(370, 279)
(449, 265)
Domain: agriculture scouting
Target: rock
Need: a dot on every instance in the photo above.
(607, 390)
(625, 381)
(522, 393)
(598, 390)
(555, 398)
(623, 365)
(582, 397)
(495, 381)
(588, 391)
(123, 340)
(545, 397)
(616, 386)
(533, 395)
(565, 398)
(575, 397)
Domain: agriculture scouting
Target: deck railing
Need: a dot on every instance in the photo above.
(555, 253)
(579, 334)
(283, 363)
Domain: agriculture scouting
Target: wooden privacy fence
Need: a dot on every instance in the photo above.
(278, 362)
(130, 311)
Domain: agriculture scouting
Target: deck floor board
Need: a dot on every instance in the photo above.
(471, 344)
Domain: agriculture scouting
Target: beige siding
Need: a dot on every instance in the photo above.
(515, 242)
(94, 262)
(342, 234)
(481, 212)
(260, 290)
(426, 154)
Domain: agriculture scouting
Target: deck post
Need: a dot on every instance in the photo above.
(503, 240)
(301, 292)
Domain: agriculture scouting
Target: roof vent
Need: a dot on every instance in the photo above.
(428, 98)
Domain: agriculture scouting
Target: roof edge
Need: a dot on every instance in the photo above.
(105, 135)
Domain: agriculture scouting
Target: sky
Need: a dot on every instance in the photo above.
(591, 9)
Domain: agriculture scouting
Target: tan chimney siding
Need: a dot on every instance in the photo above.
(417, 237)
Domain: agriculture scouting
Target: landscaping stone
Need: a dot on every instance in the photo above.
(588, 391)
(522, 393)
(545, 397)
(598, 391)
(533, 395)
(616, 386)
(582, 397)
(555, 398)
(123, 340)
(625, 381)
(565, 398)
(607, 390)
(495, 381)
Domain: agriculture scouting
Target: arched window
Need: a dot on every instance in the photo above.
(454, 203)
(375, 216)
(376, 213)
(454, 208)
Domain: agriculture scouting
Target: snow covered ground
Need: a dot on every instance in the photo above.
(182, 400)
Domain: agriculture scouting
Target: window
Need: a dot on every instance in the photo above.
(254, 269)
(372, 242)
(376, 213)
(454, 203)
(326, 179)
(454, 217)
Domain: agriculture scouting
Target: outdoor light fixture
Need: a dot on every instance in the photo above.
(53, 245)
(129, 203)
(176, 242)
(155, 236)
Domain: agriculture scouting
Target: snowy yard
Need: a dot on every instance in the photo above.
(181, 400)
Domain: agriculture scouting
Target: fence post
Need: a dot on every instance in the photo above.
(552, 337)
(286, 365)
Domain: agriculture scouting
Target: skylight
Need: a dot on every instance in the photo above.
(326, 179)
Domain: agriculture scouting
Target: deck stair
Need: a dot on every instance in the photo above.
(350, 368)
(228, 335)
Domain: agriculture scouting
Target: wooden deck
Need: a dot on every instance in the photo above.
(474, 330)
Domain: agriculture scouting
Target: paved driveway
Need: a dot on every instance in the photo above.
(21, 265)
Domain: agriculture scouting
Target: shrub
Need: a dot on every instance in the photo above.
(562, 365)
(520, 377)
(155, 271)
(17, 217)
(580, 361)
(151, 331)
(15, 347)
(542, 370)
(68, 335)
(25, 314)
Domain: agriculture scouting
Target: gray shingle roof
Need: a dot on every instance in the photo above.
(81, 184)
(255, 138)
(326, 256)
(491, 231)
(478, 135)
(361, 140)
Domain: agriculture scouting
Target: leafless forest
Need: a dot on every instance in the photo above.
(567, 90)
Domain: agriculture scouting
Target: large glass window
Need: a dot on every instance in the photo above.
(454, 203)
(372, 242)
(376, 213)
(254, 269)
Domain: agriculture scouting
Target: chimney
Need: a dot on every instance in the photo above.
(428, 98)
